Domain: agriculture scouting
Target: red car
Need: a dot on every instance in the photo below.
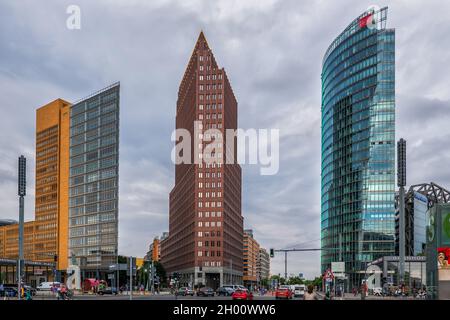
(283, 293)
(241, 294)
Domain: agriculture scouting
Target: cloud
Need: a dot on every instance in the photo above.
(272, 52)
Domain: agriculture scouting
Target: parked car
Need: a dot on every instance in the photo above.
(283, 293)
(9, 291)
(241, 294)
(205, 292)
(225, 291)
(377, 292)
(234, 286)
(184, 291)
(47, 286)
(107, 290)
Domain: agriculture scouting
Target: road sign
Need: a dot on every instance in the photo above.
(338, 267)
(329, 276)
(111, 276)
(122, 266)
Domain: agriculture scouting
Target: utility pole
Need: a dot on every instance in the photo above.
(272, 251)
(401, 182)
(285, 266)
(22, 192)
(131, 278)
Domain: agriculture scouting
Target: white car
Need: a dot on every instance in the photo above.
(299, 291)
(377, 292)
(47, 286)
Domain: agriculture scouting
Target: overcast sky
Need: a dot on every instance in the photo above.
(272, 52)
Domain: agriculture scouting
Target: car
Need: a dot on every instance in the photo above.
(241, 294)
(377, 292)
(283, 293)
(9, 291)
(225, 291)
(235, 286)
(184, 291)
(299, 290)
(107, 290)
(205, 292)
(47, 286)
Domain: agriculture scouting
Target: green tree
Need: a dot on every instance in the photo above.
(295, 280)
(160, 272)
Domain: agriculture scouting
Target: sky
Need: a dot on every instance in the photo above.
(272, 52)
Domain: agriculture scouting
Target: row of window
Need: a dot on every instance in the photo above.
(208, 253)
(208, 224)
(210, 116)
(79, 111)
(93, 219)
(208, 234)
(209, 86)
(207, 214)
(208, 204)
(210, 97)
(52, 140)
(92, 166)
(212, 194)
(210, 185)
(93, 197)
(210, 106)
(94, 155)
(93, 176)
(213, 263)
(93, 187)
(210, 175)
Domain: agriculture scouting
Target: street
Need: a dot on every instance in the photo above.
(168, 296)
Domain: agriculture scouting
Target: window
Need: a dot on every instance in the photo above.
(200, 107)
(199, 243)
(91, 156)
(200, 253)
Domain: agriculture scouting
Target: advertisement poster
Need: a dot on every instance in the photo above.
(444, 272)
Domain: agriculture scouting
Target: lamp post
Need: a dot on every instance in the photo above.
(401, 182)
(21, 193)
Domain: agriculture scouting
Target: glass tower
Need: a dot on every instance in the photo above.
(93, 192)
(358, 145)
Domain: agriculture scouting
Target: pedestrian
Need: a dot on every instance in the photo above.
(28, 295)
(363, 290)
(310, 294)
(2, 290)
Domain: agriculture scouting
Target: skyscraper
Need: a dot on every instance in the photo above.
(45, 238)
(94, 172)
(52, 182)
(358, 145)
(205, 222)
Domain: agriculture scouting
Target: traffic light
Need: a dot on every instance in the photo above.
(271, 253)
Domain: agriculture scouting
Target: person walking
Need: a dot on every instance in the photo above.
(310, 294)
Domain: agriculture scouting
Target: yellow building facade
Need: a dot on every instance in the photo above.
(47, 236)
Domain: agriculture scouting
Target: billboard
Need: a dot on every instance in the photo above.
(420, 222)
(438, 252)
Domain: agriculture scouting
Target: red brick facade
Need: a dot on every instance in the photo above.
(205, 221)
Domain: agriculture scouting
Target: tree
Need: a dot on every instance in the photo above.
(295, 280)
(160, 272)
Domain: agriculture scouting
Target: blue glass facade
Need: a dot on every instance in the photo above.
(358, 146)
(94, 181)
